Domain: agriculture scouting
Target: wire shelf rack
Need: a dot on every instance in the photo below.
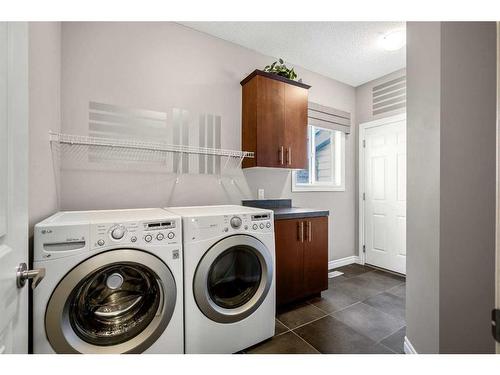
(71, 139)
(78, 152)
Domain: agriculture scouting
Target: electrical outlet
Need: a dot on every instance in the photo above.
(260, 193)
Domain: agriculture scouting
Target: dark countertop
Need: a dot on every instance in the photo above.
(281, 213)
(283, 209)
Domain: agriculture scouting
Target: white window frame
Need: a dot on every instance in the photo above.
(338, 158)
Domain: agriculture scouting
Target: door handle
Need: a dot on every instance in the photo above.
(280, 153)
(300, 228)
(289, 156)
(23, 274)
(309, 231)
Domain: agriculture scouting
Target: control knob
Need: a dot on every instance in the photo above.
(235, 222)
(148, 238)
(117, 233)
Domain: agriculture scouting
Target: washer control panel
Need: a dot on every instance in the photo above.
(261, 222)
(167, 232)
(118, 232)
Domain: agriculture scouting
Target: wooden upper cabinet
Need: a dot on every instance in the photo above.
(296, 127)
(274, 121)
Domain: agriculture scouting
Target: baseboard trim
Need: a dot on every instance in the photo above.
(343, 262)
(408, 347)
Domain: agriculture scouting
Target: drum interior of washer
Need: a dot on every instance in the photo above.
(234, 277)
(114, 303)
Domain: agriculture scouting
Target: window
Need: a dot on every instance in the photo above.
(326, 161)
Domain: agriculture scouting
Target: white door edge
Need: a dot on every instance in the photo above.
(361, 174)
(14, 142)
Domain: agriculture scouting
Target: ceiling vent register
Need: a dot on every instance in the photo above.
(389, 96)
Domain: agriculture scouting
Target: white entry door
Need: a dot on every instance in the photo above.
(385, 195)
(13, 184)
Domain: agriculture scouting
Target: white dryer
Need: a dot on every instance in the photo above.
(113, 283)
(228, 276)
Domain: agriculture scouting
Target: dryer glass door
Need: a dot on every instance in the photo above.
(233, 278)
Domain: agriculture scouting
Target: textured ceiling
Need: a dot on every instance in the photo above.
(346, 51)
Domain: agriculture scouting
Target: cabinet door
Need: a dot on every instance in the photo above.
(249, 121)
(270, 122)
(296, 127)
(316, 255)
(289, 260)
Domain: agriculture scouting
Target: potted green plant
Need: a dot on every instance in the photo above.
(280, 69)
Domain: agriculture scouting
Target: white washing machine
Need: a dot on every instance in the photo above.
(229, 277)
(113, 283)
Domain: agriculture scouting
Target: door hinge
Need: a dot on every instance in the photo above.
(364, 143)
(364, 196)
(495, 324)
(364, 249)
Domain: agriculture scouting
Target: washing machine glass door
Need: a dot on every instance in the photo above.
(233, 278)
(115, 302)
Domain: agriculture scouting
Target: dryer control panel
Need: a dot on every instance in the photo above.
(203, 227)
(164, 232)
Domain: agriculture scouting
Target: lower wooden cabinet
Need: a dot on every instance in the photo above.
(301, 258)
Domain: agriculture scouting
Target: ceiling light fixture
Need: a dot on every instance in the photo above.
(393, 40)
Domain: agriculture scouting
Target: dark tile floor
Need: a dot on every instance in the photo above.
(363, 311)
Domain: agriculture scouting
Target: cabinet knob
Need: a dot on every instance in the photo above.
(280, 155)
(289, 156)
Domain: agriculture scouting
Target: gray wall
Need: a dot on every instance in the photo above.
(158, 66)
(45, 115)
(451, 110)
(498, 190)
(423, 181)
(468, 182)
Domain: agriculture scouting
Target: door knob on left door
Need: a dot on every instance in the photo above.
(24, 274)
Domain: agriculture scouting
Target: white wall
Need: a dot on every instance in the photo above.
(44, 115)
(158, 66)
